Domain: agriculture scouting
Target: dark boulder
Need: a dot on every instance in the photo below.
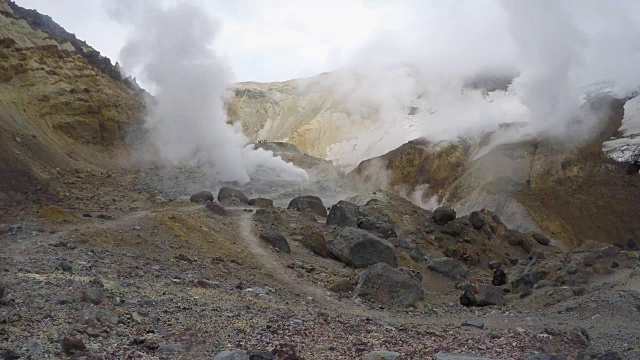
(359, 248)
(261, 202)
(527, 279)
(344, 214)
(229, 195)
(468, 297)
(314, 240)
(390, 286)
(541, 238)
(494, 265)
(276, 240)
(443, 215)
(308, 203)
(476, 220)
(632, 245)
(216, 208)
(378, 226)
(452, 228)
(499, 277)
(201, 197)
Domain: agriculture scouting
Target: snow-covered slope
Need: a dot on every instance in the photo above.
(626, 148)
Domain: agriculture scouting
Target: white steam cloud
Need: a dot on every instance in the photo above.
(171, 48)
(557, 51)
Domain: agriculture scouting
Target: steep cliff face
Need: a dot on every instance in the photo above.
(62, 105)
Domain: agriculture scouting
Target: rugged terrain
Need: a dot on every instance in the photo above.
(102, 260)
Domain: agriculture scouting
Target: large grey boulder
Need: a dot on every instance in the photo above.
(201, 197)
(448, 267)
(309, 204)
(314, 240)
(443, 215)
(229, 195)
(344, 214)
(359, 248)
(391, 286)
(378, 226)
(245, 355)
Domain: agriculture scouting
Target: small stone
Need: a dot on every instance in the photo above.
(541, 238)
(35, 347)
(609, 251)
(276, 240)
(71, 345)
(615, 265)
(340, 286)
(602, 269)
(579, 290)
(93, 295)
(494, 265)
(136, 317)
(476, 323)
(65, 266)
(632, 245)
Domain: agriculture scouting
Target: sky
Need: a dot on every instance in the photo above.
(264, 40)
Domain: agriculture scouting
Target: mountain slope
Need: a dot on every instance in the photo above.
(62, 105)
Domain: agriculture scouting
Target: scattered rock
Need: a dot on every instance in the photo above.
(359, 248)
(35, 347)
(261, 202)
(476, 220)
(308, 203)
(344, 214)
(448, 267)
(494, 265)
(615, 265)
(71, 345)
(391, 286)
(229, 195)
(499, 277)
(632, 245)
(65, 266)
(9, 355)
(276, 240)
(244, 355)
(378, 226)
(382, 355)
(443, 215)
(468, 297)
(475, 322)
(541, 238)
(524, 279)
(93, 295)
(201, 197)
(314, 240)
(216, 208)
(452, 228)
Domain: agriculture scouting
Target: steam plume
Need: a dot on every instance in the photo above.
(172, 50)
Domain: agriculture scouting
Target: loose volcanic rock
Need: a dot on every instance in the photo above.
(201, 197)
(359, 248)
(308, 203)
(344, 214)
(230, 195)
(443, 215)
(391, 286)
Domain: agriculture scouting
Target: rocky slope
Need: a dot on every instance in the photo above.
(575, 194)
(62, 105)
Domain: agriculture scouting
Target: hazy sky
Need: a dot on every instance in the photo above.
(264, 40)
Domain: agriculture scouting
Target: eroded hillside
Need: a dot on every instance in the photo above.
(62, 105)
